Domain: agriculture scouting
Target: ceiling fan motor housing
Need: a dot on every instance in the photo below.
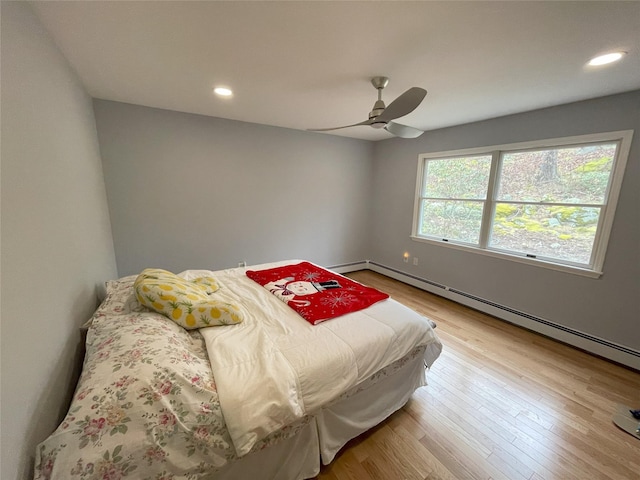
(377, 110)
(379, 83)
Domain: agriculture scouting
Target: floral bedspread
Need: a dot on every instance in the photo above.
(146, 405)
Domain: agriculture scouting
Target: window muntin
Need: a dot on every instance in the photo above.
(549, 203)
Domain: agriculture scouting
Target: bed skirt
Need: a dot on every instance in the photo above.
(363, 407)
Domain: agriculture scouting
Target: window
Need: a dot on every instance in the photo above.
(549, 203)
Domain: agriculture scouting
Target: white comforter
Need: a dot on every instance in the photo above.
(275, 367)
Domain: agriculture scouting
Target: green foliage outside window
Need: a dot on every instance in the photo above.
(547, 203)
(577, 175)
(450, 185)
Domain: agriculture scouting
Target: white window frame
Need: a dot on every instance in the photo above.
(594, 269)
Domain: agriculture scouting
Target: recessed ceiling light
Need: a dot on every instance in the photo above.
(222, 91)
(608, 58)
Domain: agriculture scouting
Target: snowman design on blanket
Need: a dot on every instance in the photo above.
(287, 289)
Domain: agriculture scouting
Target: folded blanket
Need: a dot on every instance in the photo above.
(315, 293)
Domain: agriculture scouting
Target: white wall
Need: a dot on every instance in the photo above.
(56, 236)
(189, 191)
(607, 308)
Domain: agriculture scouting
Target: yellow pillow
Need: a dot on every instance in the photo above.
(186, 302)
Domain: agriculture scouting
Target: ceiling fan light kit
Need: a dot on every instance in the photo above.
(381, 116)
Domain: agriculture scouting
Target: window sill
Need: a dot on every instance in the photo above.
(585, 272)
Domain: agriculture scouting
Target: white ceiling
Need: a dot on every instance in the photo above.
(308, 64)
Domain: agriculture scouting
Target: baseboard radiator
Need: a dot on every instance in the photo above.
(594, 345)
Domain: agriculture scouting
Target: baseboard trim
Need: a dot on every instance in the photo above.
(350, 267)
(594, 345)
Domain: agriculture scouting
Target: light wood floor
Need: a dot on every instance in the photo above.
(502, 403)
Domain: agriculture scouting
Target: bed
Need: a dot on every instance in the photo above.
(271, 397)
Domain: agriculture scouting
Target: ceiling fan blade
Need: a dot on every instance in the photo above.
(402, 131)
(366, 122)
(403, 105)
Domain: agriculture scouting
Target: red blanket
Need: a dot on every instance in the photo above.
(315, 293)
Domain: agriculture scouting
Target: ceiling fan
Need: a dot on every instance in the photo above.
(381, 116)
